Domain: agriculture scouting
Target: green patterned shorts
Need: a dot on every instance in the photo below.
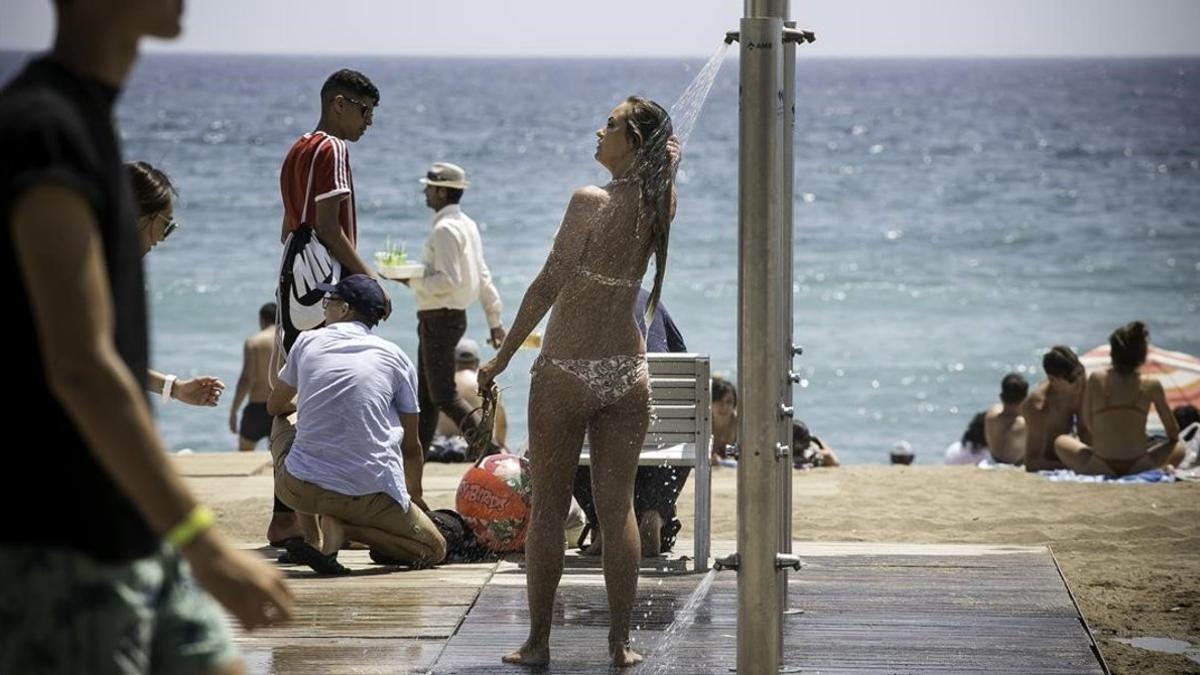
(62, 611)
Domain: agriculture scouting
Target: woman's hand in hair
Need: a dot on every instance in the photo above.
(675, 152)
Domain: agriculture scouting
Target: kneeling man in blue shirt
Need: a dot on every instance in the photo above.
(353, 456)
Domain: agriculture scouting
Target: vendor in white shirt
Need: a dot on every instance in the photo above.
(455, 276)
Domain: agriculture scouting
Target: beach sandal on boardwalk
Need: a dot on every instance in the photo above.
(301, 552)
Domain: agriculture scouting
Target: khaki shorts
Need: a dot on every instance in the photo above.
(404, 535)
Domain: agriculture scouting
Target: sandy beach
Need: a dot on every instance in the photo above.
(1130, 553)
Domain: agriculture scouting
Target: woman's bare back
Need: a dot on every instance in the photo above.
(592, 315)
(1119, 405)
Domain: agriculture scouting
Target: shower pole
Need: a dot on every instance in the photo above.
(760, 331)
(766, 101)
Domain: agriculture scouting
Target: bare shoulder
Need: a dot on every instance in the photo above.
(260, 340)
(592, 196)
(1152, 385)
(1037, 399)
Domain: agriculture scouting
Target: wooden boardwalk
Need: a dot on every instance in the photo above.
(866, 608)
(377, 620)
(879, 608)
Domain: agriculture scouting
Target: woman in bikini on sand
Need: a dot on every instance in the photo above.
(591, 375)
(1115, 406)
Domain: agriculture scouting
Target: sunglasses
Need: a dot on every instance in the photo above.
(330, 298)
(368, 111)
(170, 227)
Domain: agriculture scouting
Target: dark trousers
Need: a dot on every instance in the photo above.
(438, 333)
(656, 487)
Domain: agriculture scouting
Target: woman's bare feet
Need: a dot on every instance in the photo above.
(529, 655)
(622, 655)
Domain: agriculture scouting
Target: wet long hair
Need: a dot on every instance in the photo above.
(1128, 346)
(650, 126)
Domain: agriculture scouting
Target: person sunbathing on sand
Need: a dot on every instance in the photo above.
(1116, 404)
(1003, 424)
(1053, 409)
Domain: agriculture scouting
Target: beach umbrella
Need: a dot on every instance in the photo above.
(1178, 372)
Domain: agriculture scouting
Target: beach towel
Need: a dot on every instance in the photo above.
(1151, 476)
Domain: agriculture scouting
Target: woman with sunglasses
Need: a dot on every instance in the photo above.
(155, 197)
(591, 375)
(156, 204)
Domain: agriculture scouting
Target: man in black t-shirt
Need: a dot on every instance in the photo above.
(88, 582)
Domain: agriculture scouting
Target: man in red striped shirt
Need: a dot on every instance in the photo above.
(317, 187)
(348, 101)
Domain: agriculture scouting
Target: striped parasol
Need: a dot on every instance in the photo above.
(1178, 372)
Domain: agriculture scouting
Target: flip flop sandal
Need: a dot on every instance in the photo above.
(304, 554)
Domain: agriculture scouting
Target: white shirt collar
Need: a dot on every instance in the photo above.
(353, 327)
(447, 210)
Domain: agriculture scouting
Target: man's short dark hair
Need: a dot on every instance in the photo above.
(453, 195)
(1013, 388)
(349, 83)
(267, 312)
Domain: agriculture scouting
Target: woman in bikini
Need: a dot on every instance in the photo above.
(591, 375)
(1115, 406)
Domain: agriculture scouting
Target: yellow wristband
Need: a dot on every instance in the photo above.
(198, 520)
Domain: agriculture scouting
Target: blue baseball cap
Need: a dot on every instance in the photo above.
(362, 293)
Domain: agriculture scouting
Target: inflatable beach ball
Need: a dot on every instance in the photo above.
(493, 498)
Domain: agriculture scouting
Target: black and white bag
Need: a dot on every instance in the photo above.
(306, 263)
